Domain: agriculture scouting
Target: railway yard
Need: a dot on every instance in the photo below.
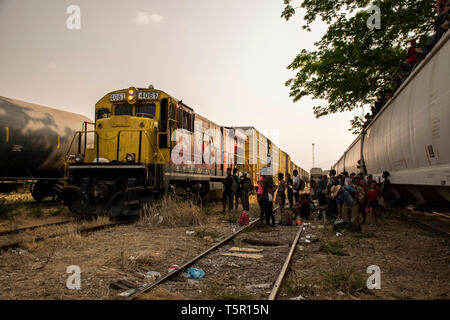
(120, 260)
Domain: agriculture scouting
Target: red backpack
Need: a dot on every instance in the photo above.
(243, 218)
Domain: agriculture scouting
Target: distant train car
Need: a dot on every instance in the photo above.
(34, 141)
(410, 136)
(316, 173)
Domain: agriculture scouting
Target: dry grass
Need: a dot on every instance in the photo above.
(170, 212)
(345, 279)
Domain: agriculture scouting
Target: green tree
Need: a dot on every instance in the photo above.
(351, 63)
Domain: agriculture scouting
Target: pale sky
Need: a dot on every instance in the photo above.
(225, 59)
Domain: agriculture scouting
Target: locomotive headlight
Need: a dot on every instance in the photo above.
(131, 157)
(79, 158)
(131, 95)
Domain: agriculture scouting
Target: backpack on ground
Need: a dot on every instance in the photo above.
(243, 218)
(286, 218)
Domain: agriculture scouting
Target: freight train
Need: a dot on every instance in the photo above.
(34, 142)
(410, 136)
(148, 143)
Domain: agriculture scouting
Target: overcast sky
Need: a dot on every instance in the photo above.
(226, 59)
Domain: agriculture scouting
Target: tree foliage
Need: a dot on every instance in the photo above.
(351, 63)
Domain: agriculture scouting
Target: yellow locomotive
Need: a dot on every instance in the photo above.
(125, 163)
(133, 154)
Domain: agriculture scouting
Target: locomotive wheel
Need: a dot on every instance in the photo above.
(36, 191)
(115, 205)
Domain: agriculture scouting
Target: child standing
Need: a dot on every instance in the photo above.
(373, 194)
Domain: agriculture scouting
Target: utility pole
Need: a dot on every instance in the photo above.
(314, 160)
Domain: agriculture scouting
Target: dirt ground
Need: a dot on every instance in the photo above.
(414, 262)
(17, 213)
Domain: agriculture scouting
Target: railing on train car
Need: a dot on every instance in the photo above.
(80, 133)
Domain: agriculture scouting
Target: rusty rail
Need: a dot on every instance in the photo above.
(170, 275)
(18, 230)
(277, 284)
(86, 230)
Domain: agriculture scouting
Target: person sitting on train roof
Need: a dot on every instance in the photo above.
(441, 24)
(227, 197)
(413, 53)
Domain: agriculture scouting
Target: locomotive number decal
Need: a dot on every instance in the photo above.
(117, 96)
(142, 95)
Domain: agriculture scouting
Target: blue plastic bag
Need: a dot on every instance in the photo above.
(195, 273)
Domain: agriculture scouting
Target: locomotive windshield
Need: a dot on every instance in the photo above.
(140, 110)
(123, 110)
(145, 110)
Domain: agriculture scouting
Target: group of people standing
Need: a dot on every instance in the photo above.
(266, 196)
(354, 198)
(236, 187)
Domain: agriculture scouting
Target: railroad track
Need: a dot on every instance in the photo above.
(441, 215)
(146, 288)
(84, 230)
(422, 223)
(48, 203)
(19, 230)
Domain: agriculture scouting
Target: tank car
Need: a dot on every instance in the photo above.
(34, 141)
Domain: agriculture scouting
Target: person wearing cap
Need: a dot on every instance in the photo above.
(246, 188)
